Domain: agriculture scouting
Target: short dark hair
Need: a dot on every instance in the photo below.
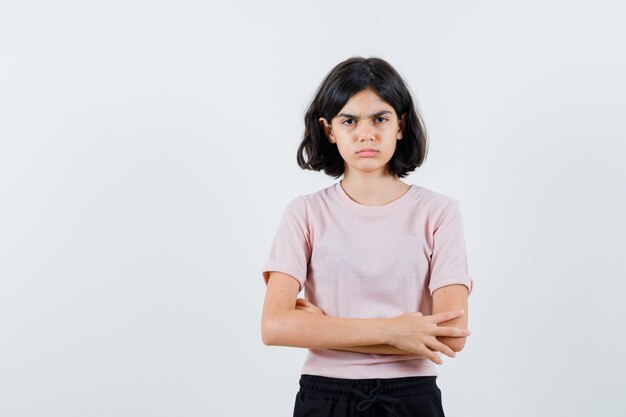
(342, 82)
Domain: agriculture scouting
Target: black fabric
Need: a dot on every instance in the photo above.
(321, 396)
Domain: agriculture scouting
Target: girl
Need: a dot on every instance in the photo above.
(382, 262)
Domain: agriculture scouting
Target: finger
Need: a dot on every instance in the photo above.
(441, 347)
(446, 315)
(309, 309)
(307, 303)
(431, 355)
(451, 331)
(311, 305)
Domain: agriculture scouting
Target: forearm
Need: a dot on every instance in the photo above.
(380, 349)
(297, 328)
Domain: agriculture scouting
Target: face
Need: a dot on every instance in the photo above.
(365, 122)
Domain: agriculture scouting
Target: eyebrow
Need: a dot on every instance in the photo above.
(356, 117)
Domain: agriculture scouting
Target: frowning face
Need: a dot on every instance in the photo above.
(365, 122)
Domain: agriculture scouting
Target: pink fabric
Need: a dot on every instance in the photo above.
(359, 261)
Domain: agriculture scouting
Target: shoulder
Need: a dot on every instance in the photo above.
(437, 201)
(311, 201)
(440, 208)
(296, 208)
(303, 205)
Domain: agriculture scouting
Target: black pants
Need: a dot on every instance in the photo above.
(321, 396)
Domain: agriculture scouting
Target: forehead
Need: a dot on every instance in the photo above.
(365, 101)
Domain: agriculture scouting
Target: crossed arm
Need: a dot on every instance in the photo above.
(450, 297)
(284, 316)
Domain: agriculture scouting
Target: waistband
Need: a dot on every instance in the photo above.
(386, 391)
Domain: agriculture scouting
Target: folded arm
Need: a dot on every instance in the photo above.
(283, 324)
(450, 297)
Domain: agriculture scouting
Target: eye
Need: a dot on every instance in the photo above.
(347, 120)
(381, 118)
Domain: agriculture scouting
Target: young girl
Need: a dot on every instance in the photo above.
(382, 262)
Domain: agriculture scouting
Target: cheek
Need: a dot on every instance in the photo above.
(345, 153)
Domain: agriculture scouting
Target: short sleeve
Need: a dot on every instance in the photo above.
(291, 248)
(448, 263)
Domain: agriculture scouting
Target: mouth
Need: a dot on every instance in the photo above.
(367, 150)
(365, 153)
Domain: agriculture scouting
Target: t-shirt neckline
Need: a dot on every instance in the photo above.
(366, 210)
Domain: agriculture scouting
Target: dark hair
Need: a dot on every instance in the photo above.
(344, 80)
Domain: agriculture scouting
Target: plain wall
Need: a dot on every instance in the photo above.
(148, 148)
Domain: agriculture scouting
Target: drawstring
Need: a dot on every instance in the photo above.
(373, 397)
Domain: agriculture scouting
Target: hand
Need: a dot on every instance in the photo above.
(302, 304)
(414, 332)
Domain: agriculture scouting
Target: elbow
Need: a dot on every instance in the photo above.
(267, 335)
(270, 329)
(459, 345)
(455, 343)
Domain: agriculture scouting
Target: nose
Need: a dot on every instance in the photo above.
(365, 132)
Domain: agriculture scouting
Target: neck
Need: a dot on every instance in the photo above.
(374, 191)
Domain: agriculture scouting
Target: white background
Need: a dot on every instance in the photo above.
(148, 149)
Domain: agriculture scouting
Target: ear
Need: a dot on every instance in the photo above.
(401, 125)
(327, 129)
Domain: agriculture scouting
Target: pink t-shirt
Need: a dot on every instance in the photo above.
(359, 261)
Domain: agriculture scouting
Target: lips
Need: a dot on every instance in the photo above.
(367, 150)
